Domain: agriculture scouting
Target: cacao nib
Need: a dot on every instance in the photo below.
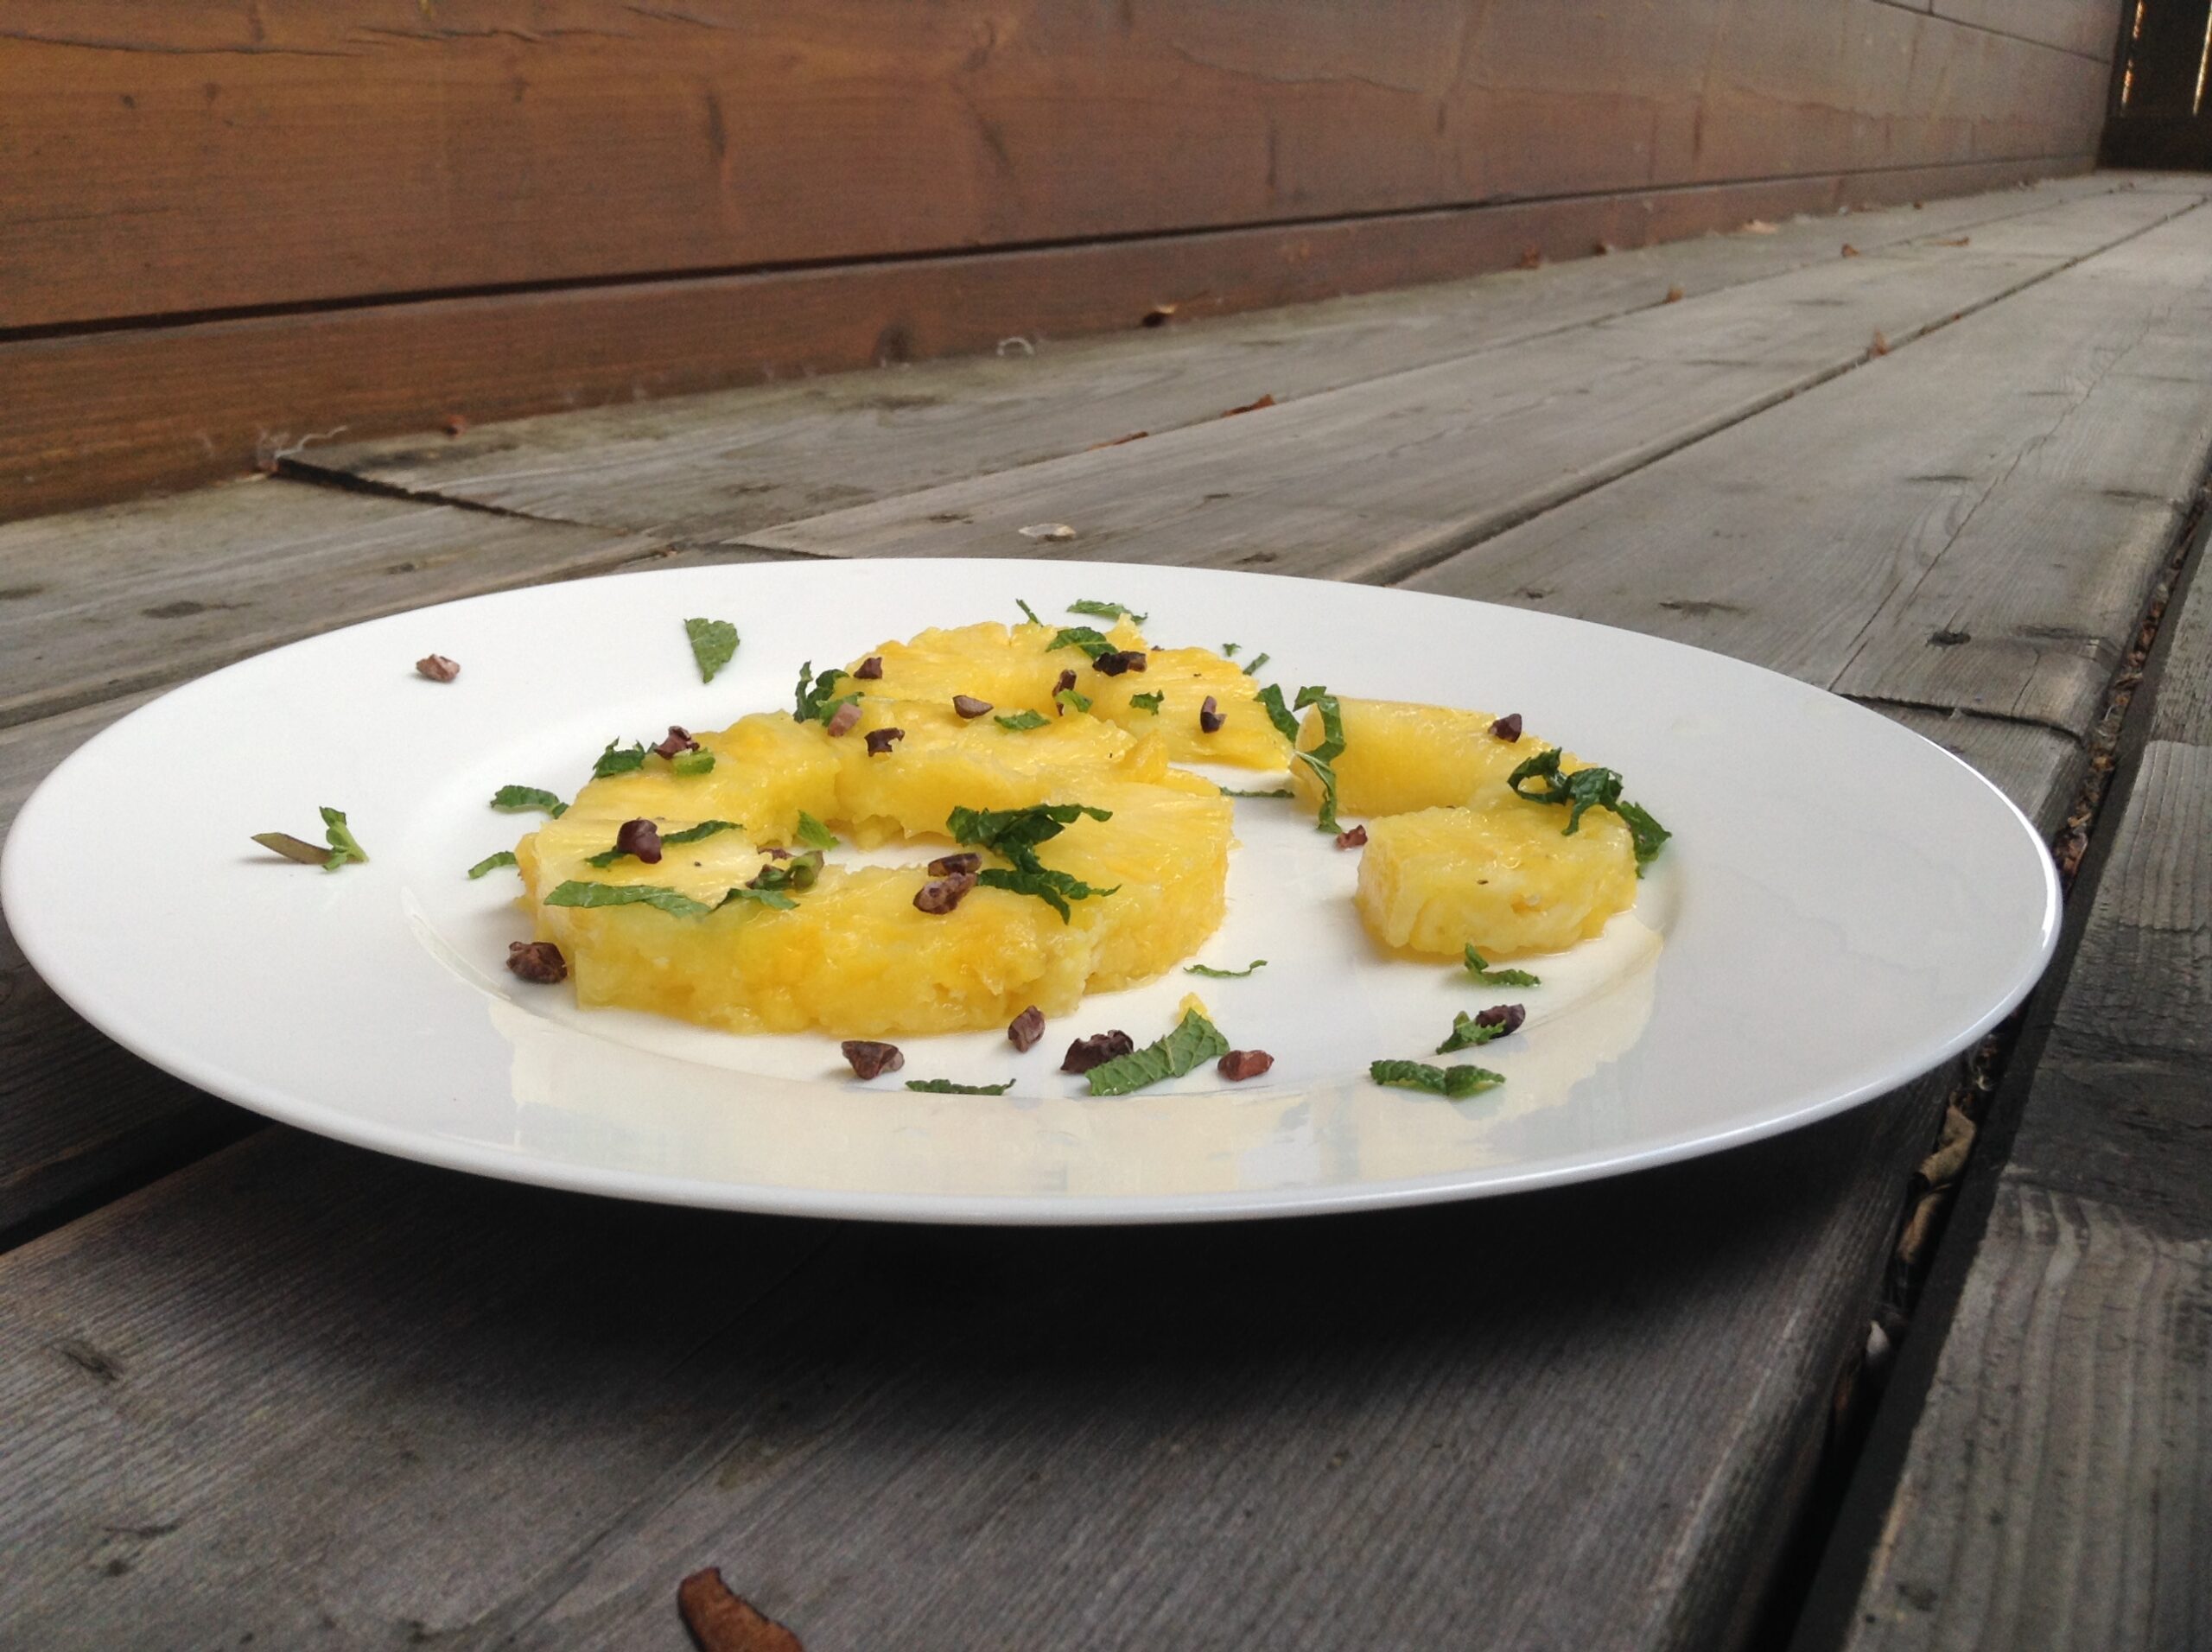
(1239, 1064)
(871, 669)
(1086, 1053)
(640, 838)
(947, 866)
(880, 740)
(943, 895)
(1211, 717)
(871, 1059)
(1066, 682)
(1506, 1017)
(1508, 728)
(679, 741)
(1026, 1029)
(969, 707)
(1129, 659)
(1352, 839)
(538, 961)
(842, 720)
(437, 668)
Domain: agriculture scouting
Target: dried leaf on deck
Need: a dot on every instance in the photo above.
(1849, 250)
(1248, 406)
(1046, 530)
(1963, 240)
(1673, 296)
(722, 1622)
(1880, 346)
(1532, 258)
(1133, 435)
(1158, 315)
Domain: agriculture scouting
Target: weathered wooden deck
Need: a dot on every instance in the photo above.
(264, 1389)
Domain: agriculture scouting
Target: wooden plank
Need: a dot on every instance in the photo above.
(108, 414)
(716, 467)
(173, 160)
(2059, 1489)
(2089, 30)
(2181, 709)
(1869, 535)
(1381, 477)
(2037, 768)
(547, 1409)
(103, 603)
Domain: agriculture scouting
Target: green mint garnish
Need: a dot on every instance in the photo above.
(1107, 610)
(1029, 612)
(512, 798)
(1055, 889)
(1467, 1032)
(1647, 834)
(573, 893)
(1583, 790)
(1252, 665)
(1320, 758)
(1457, 1082)
(701, 761)
(713, 643)
(493, 862)
(611, 762)
(1083, 637)
(946, 1087)
(1194, 1041)
(1147, 701)
(1270, 700)
(1014, 834)
(811, 832)
(1485, 975)
(1223, 974)
(820, 701)
(1279, 791)
(1229, 650)
(1068, 700)
(342, 846)
(800, 871)
(775, 899)
(1021, 720)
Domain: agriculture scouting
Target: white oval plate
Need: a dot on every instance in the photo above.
(1843, 905)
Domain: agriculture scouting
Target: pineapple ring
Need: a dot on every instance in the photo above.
(855, 956)
(1453, 857)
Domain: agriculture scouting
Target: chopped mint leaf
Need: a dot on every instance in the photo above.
(714, 642)
(773, 899)
(699, 761)
(1583, 790)
(1648, 836)
(342, 846)
(1229, 650)
(1279, 714)
(1322, 756)
(1467, 1031)
(800, 871)
(611, 762)
(820, 701)
(1147, 701)
(1195, 1041)
(512, 798)
(809, 831)
(1054, 888)
(1068, 699)
(1279, 791)
(1021, 720)
(1014, 833)
(493, 862)
(1485, 975)
(293, 848)
(1084, 637)
(946, 1087)
(1029, 612)
(1457, 1082)
(1107, 610)
(573, 893)
(1223, 974)
(1252, 665)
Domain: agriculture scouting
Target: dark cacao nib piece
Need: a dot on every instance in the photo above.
(1066, 682)
(1086, 1053)
(1026, 1028)
(1211, 717)
(679, 741)
(538, 961)
(437, 668)
(1507, 1017)
(943, 895)
(870, 1058)
(1129, 659)
(842, 720)
(947, 866)
(1352, 839)
(871, 669)
(1244, 1063)
(969, 707)
(640, 838)
(880, 740)
(1508, 728)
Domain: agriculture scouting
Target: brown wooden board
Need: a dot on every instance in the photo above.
(114, 413)
(170, 160)
(715, 467)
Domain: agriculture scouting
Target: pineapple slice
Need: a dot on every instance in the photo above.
(1399, 756)
(1501, 875)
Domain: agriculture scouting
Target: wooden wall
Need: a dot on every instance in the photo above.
(227, 227)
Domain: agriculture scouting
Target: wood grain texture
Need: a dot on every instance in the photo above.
(2059, 1491)
(1868, 535)
(2181, 708)
(110, 414)
(544, 1410)
(1384, 477)
(717, 467)
(169, 159)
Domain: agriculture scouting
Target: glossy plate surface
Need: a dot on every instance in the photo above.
(1843, 905)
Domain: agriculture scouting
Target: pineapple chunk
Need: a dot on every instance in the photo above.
(1399, 756)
